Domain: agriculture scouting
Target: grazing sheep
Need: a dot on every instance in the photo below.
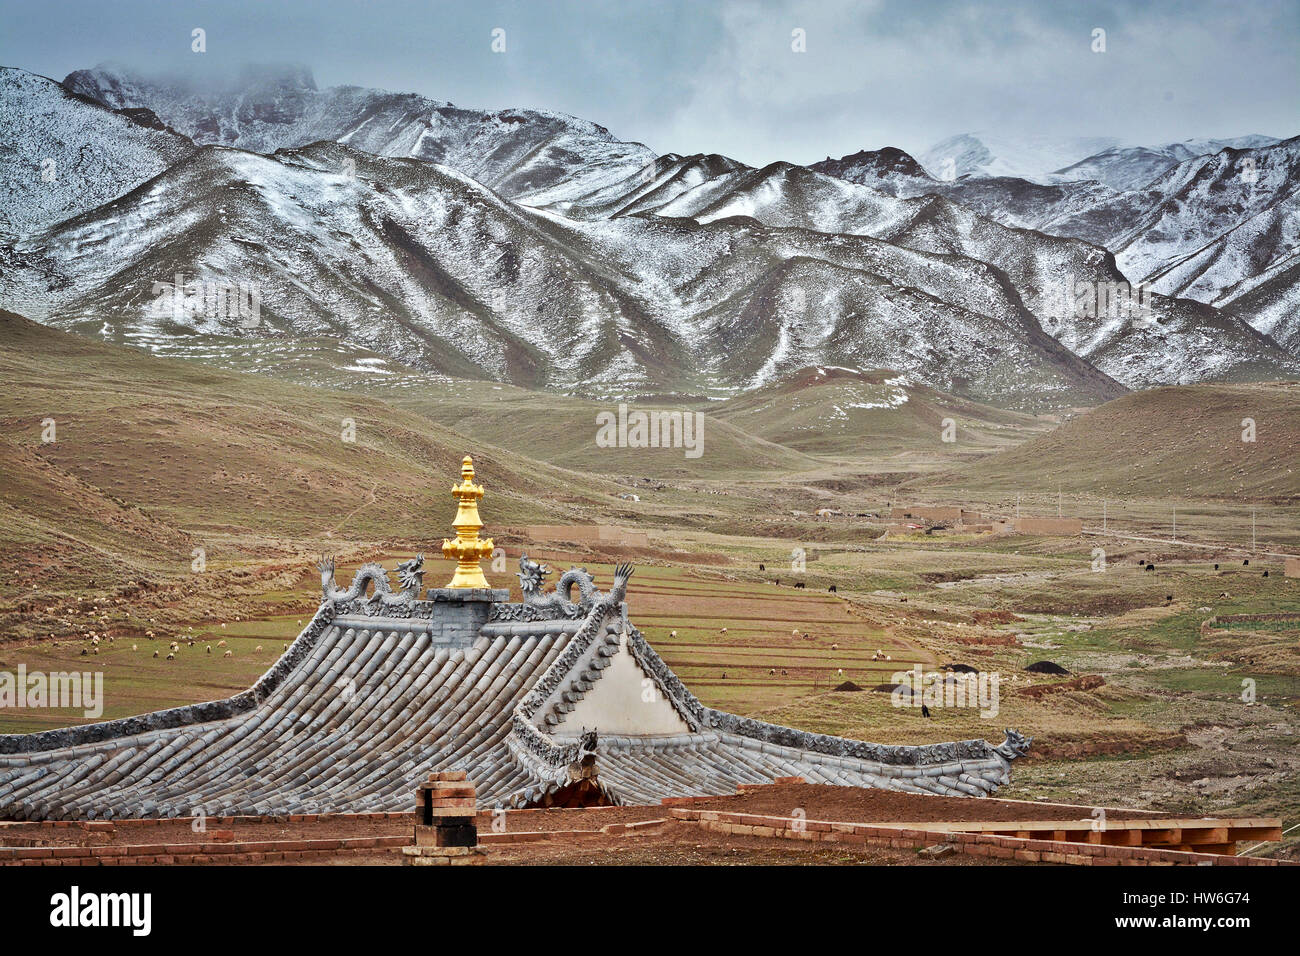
(209, 648)
(1216, 567)
(776, 581)
(762, 567)
(835, 647)
(888, 658)
(286, 645)
(171, 657)
(795, 632)
(1265, 574)
(228, 654)
(84, 652)
(257, 649)
(1245, 563)
(221, 643)
(925, 711)
(771, 672)
(832, 589)
(1150, 567)
(839, 672)
(798, 584)
(133, 647)
(722, 630)
(155, 653)
(672, 633)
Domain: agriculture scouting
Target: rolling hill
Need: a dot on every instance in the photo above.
(152, 456)
(1173, 442)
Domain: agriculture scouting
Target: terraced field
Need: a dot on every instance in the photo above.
(731, 669)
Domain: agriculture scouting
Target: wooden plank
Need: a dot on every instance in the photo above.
(1255, 833)
(1212, 835)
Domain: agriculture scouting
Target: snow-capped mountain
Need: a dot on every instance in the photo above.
(1043, 269)
(416, 261)
(61, 155)
(1214, 228)
(537, 249)
(1219, 228)
(1045, 159)
(515, 152)
(990, 154)
(1132, 167)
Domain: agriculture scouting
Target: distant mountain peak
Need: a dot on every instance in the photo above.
(869, 166)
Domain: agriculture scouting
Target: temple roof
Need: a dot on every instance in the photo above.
(377, 691)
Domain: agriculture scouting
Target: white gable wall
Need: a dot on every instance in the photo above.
(625, 700)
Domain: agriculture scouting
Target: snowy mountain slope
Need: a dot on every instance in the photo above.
(1200, 230)
(1035, 158)
(649, 188)
(1006, 199)
(785, 195)
(1125, 168)
(1211, 228)
(406, 258)
(889, 170)
(514, 152)
(420, 263)
(1043, 270)
(1272, 304)
(61, 155)
(764, 300)
(610, 272)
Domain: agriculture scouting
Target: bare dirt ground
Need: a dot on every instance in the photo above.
(853, 805)
(681, 844)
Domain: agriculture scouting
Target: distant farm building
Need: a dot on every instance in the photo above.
(963, 519)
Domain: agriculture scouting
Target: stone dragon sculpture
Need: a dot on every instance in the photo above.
(532, 579)
(410, 577)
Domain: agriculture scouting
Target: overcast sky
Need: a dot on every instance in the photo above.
(723, 77)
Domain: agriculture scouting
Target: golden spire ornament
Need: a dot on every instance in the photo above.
(467, 549)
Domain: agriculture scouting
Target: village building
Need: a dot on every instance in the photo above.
(554, 700)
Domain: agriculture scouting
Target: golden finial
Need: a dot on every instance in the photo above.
(467, 549)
